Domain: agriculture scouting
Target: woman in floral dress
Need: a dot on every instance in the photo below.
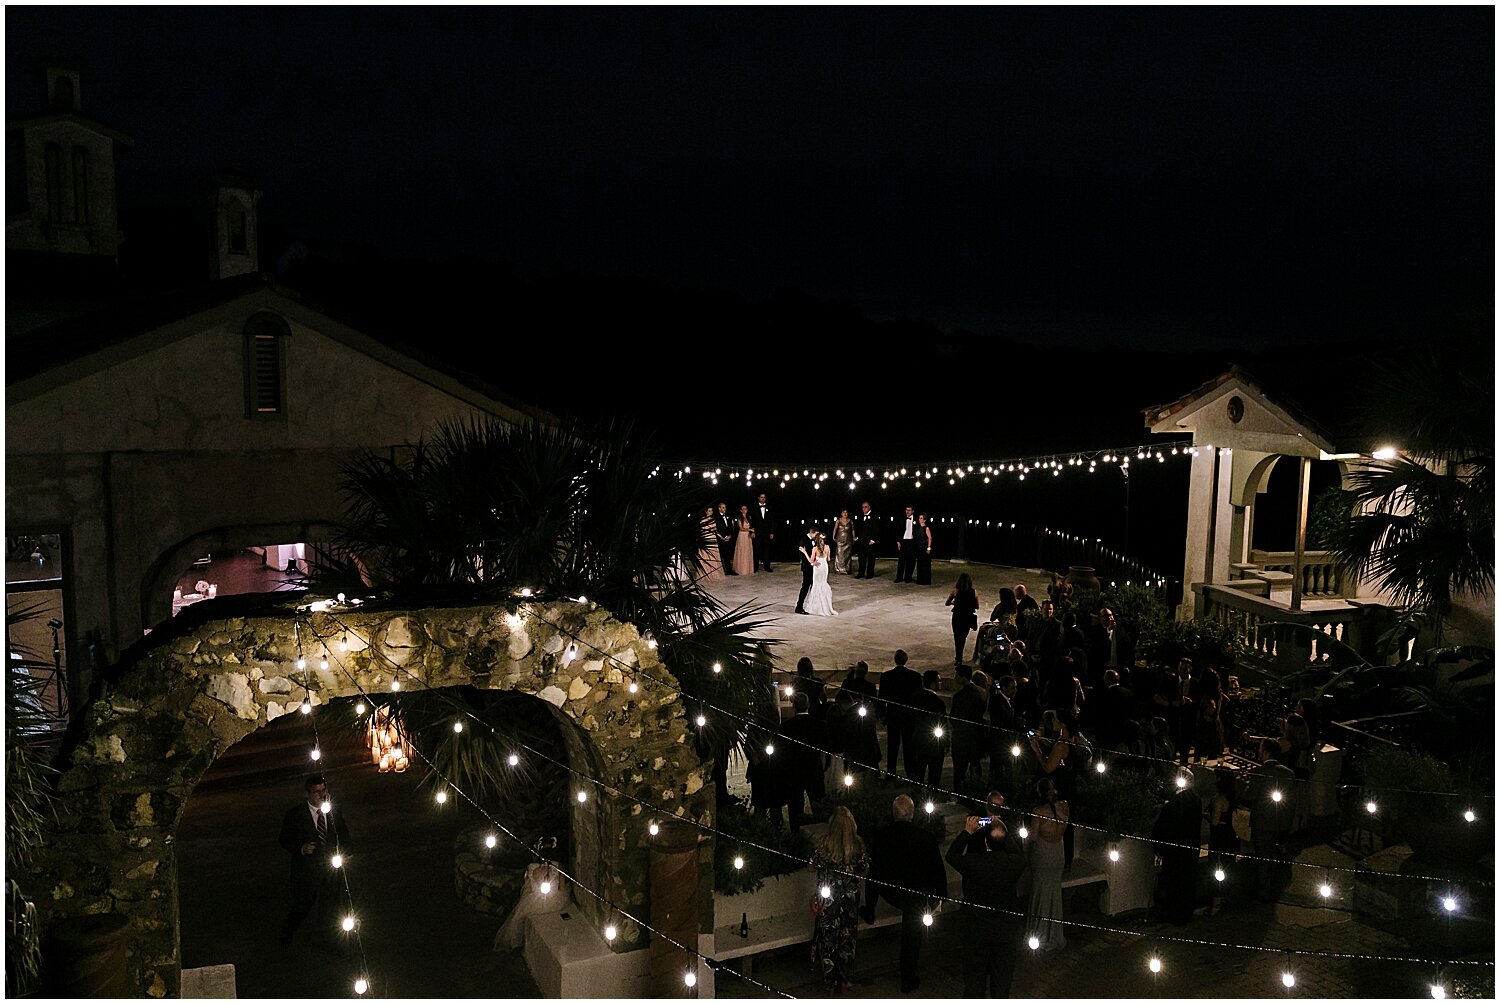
(840, 860)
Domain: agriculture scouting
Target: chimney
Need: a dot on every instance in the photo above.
(232, 198)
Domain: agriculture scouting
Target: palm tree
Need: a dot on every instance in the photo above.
(483, 508)
(1422, 526)
(29, 737)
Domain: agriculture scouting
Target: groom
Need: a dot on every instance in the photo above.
(807, 568)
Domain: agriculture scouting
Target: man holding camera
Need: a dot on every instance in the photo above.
(992, 918)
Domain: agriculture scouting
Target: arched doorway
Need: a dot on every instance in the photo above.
(186, 698)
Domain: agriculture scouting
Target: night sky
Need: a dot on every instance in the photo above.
(1160, 178)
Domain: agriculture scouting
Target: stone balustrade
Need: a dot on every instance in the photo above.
(1274, 635)
(1322, 575)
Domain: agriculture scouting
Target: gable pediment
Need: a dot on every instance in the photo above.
(1234, 412)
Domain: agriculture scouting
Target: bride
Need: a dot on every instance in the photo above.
(820, 597)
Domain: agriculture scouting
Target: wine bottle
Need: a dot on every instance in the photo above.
(744, 925)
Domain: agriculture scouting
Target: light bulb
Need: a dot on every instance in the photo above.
(789, 691)
(1450, 904)
(323, 663)
(702, 721)
(1155, 964)
(490, 841)
(1023, 832)
(1099, 766)
(337, 861)
(632, 688)
(441, 797)
(862, 711)
(343, 644)
(1114, 854)
(361, 985)
(458, 726)
(1325, 890)
(546, 887)
(1438, 992)
(583, 796)
(317, 754)
(937, 732)
(1015, 751)
(739, 862)
(718, 668)
(1276, 795)
(395, 685)
(929, 808)
(653, 829)
(306, 708)
(325, 806)
(610, 932)
(301, 662)
(848, 780)
(348, 924)
(1218, 874)
(1469, 815)
(825, 891)
(1288, 980)
(690, 978)
(926, 920)
(513, 759)
(770, 749)
(1033, 942)
(1181, 781)
(359, 708)
(1370, 807)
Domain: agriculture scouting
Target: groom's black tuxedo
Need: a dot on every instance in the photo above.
(763, 524)
(866, 538)
(724, 526)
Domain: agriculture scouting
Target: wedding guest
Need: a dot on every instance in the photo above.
(1005, 612)
(990, 866)
(807, 682)
(1049, 817)
(931, 732)
(866, 539)
(841, 862)
(907, 539)
(709, 566)
(724, 527)
(744, 543)
(924, 550)
(843, 542)
(898, 685)
(763, 525)
(1025, 608)
(862, 744)
(906, 868)
(964, 600)
(966, 717)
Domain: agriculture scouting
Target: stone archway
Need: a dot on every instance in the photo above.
(186, 698)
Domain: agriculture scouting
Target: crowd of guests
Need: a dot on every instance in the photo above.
(1056, 697)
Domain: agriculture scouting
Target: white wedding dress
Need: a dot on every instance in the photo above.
(820, 597)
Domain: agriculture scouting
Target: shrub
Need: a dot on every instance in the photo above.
(767, 849)
(869, 801)
(1120, 802)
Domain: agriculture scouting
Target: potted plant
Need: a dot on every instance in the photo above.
(1115, 811)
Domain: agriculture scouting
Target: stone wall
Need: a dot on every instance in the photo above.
(186, 700)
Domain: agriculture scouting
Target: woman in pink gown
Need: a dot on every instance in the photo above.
(744, 544)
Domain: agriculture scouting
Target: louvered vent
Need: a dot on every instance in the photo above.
(265, 376)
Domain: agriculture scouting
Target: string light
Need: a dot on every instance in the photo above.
(1439, 991)
(863, 712)
(848, 780)
(514, 759)
(348, 923)
(718, 668)
(701, 720)
(653, 829)
(690, 978)
(1288, 980)
(442, 797)
(361, 985)
(1154, 965)
(1371, 807)
(337, 861)
(926, 920)
(359, 708)
(545, 888)
(610, 932)
(583, 797)
(458, 726)
(325, 807)
(1450, 904)
(770, 749)
(490, 841)
(301, 662)
(1275, 794)
(395, 685)
(1219, 874)
(306, 708)
(1099, 767)
(1469, 816)
(317, 754)
(1033, 942)
(1024, 833)
(928, 807)
(1155, 968)
(739, 862)
(826, 892)
(1114, 853)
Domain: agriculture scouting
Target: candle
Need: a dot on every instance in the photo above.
(385, 762)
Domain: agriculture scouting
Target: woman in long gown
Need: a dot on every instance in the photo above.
(820, 597)
(924, 550)
(744, 544)
(1045, 854)
(843, 542)
(710, 565)
(840, 860)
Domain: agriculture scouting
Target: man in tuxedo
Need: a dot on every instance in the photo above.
(798, 761)
(931, 732)
(898, 688)
(1174, 701)
(805, 553)
(865, 539)
(312, 836)
(906, 868)
(725, 527)
(763, 533)
(906, 547)
(1110, 645)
